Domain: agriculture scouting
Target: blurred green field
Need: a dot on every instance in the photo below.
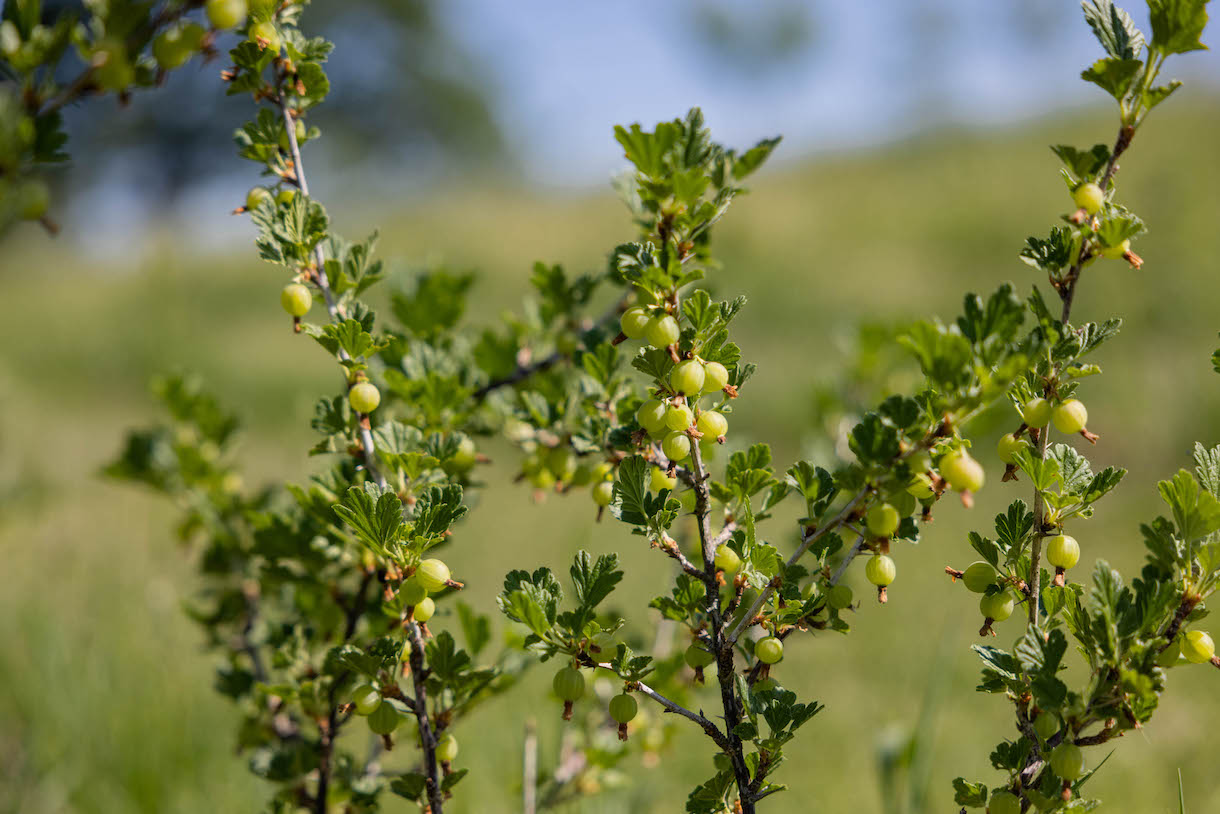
(105, 696)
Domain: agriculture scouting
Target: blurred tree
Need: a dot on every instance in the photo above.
(405, 87)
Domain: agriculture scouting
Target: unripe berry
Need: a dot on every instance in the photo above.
(997, 606)
(882, 520)
(839, 597)
(651, 416)
(298, 130)
(1067, 761)
(920, 487)
(33, 199)
(727, 560)
(623, 708)
(569, 684)
(660, 480)
(1036, 412)
(1198, 647)
(978, 577)
(1116, 252)
(769, 650)
(1047, 725)
(412, 592)
(366, 699)
(634, 322)
(256, 197)
(285, 196)
(715, 377)
(687, 377)
(1063, 551)
(1008, 447)
(712, 424)
(698, 657)
(881, 570)
(425, 609)
(542, 478)
(447, 749)
(364, 397)
(265, 34)
(111, 67)
(224, 14)
(1070, 417)
(1004, 802)
(296, 299)
(662, 331)
(384, 719)
(433, 574)
(676, 446)
(172, 48)
(961, 471)
(679, 417)
(464, 457)
(562, 461)
(1089, 197)
(603, 471)
(603, 493)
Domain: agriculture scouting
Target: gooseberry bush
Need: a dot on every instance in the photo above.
(330, 604)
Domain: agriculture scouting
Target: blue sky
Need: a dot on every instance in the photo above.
(875, 71)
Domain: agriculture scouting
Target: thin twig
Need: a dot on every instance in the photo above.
(806, 541)
(427, 738)
(332, 306)
(722, 647)
(529, 769)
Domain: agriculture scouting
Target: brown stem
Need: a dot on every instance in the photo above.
(427, 738)
(722, 645)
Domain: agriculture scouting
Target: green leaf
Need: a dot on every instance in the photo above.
(1013, 526)
(1053, 254)
(971, 795)
(1114, 28)
(476, 627)
(531, 599)
(1083, 165)
(874, 441)
(654, 362)
(1177, 25)
(630, 492)
(1113, 75)
(433, 304)
(594, 581)
(1196, 512)
(1207, 465)
(752, 159)
(375, 514)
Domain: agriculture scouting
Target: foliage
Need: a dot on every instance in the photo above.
(318, 596)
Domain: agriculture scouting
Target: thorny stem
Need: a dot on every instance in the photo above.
(427, 738)
(722, 646)
(332, 307)
(1067, 292)
(807, 539)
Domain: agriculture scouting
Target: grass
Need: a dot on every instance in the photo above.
(106, 703)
